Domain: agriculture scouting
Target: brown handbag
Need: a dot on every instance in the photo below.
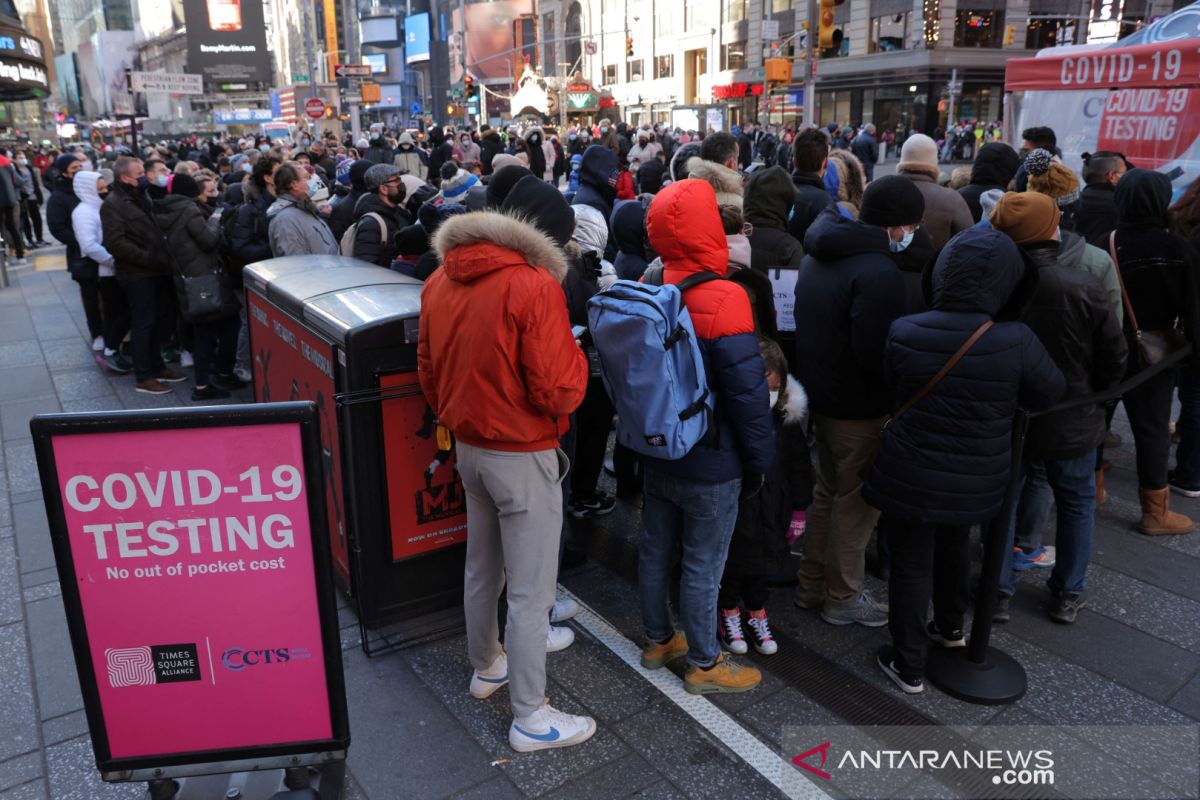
(925, 390)
(1153, 346)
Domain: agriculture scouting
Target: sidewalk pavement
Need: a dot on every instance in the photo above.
(1133, 657)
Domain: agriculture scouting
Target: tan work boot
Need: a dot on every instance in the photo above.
(726, 676)
(656, 655)
(1101, 493)
(1158, 519)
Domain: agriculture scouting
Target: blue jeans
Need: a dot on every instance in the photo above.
(1187, 457)
(1033, 506)
(695, 519)
(1073, 482)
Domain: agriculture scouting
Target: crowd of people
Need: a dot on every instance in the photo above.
(881, 407)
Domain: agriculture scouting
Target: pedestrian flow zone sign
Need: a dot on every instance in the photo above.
(196, 579)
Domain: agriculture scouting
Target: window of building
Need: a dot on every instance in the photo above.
(978, 28)
(778, 6)
(1049, 33)
(695, 15)
(549, 53)
(701, 61)
(664, 23)
(664, 66)
(889, 32)
(610, 74)
(633, 70)
(734, 10)
(733, 55)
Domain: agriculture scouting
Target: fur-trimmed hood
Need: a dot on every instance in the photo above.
(914, 168)
(467, 246)
(795, 409)
(725, 182)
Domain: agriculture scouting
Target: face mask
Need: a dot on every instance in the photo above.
(266, 148)
(103, 194)
(314, 186)
(774, 398)
(161, 181)
(903, 244)
(572, 137)
(604, 130)
(143, 182)
(22, 161)
(247, 168)
(305, 142)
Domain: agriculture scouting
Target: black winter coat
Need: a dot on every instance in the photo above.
(343, 214)
(1072, 316)
(811, 200)
(193, 248)
(768, 198)
(131, 234)
(848, 292)
(1097, 216)
(628, 224)
(251, 241)
(489, 147)
(369, 244)
(759, 537)
(995, 165)
(947, 460)
(58, 219)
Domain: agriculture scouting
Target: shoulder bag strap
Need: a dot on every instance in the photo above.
(1112, 251)
(945, 370)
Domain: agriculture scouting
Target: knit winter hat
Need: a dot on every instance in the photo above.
(502, 160)
(919, 149)
(184, 184)
(379, 174)
(988, 200)
(358, 173)
(65, 160)
(455, 187)
(503, 181)
(892, 201)
(537, 202)
(1026, 217)
(1051, 178)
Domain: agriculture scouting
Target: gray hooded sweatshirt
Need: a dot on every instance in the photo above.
(297, 229)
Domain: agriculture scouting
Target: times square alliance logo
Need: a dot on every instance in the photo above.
(152, 664)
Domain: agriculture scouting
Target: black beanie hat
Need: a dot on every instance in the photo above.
(891, 201)
(502, 182)
(536, 201)
(358, 173)
(185, 185)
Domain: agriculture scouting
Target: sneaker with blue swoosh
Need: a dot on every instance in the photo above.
(548, 727)
(485, 683)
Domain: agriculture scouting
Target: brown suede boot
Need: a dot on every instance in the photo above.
(1101, 493)
(1158, 519)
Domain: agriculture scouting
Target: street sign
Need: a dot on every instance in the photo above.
(352, 70)
(314, 107)
(352, 98)
(589, 48)
(770, 29)
(169, 82)
(414, 109)
(299, 79)
(954, 87)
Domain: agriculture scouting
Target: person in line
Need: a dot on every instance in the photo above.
(946, 212)
(500, 367)
(1098, 215)
(810, 160)
(766, 202)
(142, 265)
(848, 292)
(59, 210)
(30, 186)
(995, 165)
(380, 216)
(691, 503)
(944, 465)
(1071, 314)
(866, 149)
(91, 189)
(295, 225)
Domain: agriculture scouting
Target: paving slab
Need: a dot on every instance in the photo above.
(19, 733)
(67, 726)
(10, 584)
(82, 384)
(53, 660)
(69, 354)
(25, 382)
(21, 468)
(34, 790)
(1187, 699)
(15, 416)
(73, 775)
(20, 770)
(34, 547)
(20, 353)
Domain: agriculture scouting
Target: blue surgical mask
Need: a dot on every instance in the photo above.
(247, 167)
(897, 247)
(266, 148)
(161, 181)
(572, 137)
(314, 186)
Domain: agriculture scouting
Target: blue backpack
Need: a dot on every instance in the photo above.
(652, 366)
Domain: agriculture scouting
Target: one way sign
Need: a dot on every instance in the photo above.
(352, 70)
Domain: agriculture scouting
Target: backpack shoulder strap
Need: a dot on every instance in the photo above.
(697, 278)
(381, 223)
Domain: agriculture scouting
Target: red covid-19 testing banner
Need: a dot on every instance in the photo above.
(192, 555)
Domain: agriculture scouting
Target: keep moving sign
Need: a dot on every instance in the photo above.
(195, 573)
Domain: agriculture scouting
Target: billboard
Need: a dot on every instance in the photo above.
(227, 40)
(103, 59)
(167, 529)
(490, 38)
(416, 38)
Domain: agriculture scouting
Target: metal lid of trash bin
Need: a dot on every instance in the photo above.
(338, 313)
(291, 282)
(271, 269)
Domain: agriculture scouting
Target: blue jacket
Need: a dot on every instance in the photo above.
(685, 230)
(947, 460)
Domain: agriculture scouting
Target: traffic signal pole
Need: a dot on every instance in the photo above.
(810, 66)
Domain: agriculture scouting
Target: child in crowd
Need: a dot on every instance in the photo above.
(760, 536)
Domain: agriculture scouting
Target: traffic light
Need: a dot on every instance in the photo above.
(629, 46)
(469, 88)
(825, 24)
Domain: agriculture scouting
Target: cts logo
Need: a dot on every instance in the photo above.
(236, 659)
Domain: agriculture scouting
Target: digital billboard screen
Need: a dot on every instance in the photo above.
(416, 38)
(227, 40)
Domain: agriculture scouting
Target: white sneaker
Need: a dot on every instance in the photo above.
(484, 684)
(564, 609)
(18, 262)
(558, 638)
(185, 359)
(244, 375)
(548, 727)
(98, 344)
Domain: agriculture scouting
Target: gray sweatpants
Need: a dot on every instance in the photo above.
(514, 520)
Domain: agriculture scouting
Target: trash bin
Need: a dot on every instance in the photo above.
(343, 334)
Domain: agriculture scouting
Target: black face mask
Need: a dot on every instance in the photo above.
(103, 194)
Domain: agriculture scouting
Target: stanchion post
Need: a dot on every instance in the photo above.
(983, 674)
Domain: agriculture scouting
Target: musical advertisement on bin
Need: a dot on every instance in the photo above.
(193, 560)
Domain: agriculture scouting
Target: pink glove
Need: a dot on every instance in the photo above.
(796, 527)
